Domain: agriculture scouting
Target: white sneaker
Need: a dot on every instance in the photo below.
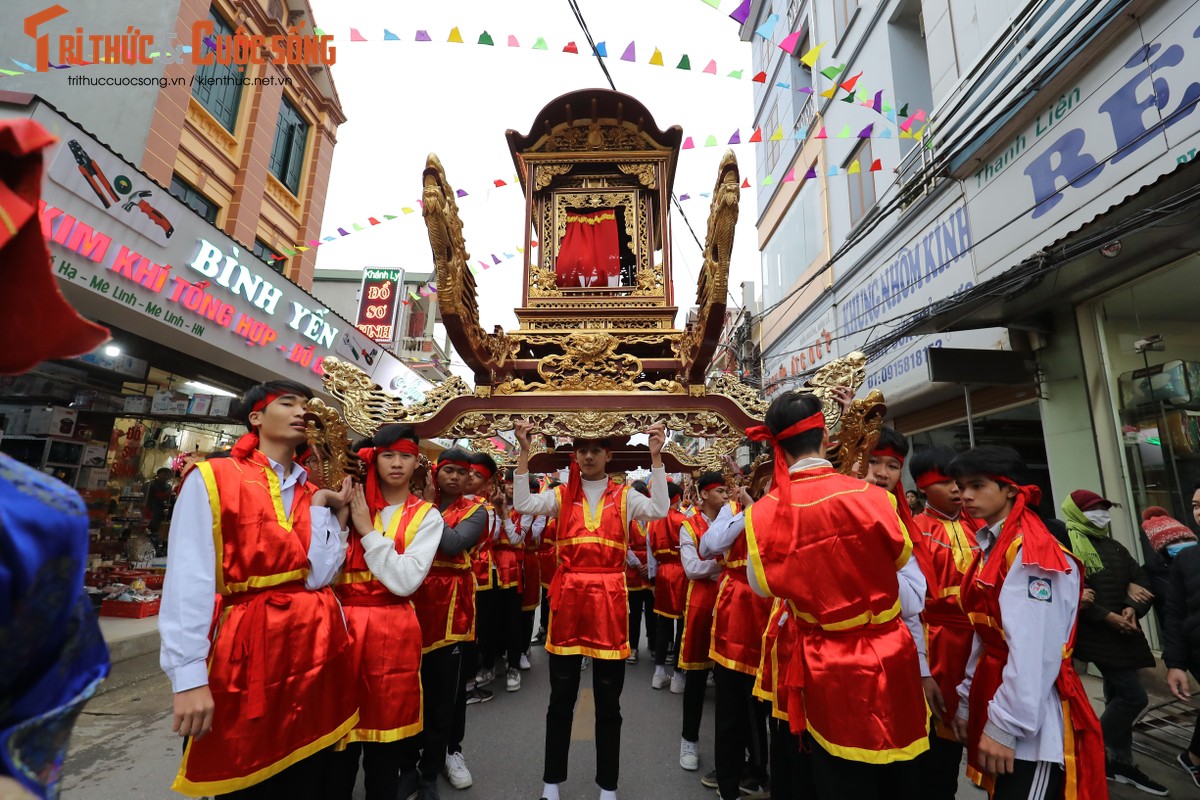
(677, 682)
(659, 680)
(514, 681)
(456, 771)
(524, 662)
(688, 759)
(712, 680)
(587, 662)
(484, 677)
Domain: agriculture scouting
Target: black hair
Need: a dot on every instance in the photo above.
(217, 454)
(161, 470)
(258, 393)
(891, 438)
(640, 486)
(788, 409)
(709, 477)
(534, 486)
(931, 459)
(454, 454)
(553, 482)
(604, 442)
(674, 490)
(484, 460)
(390, 434)
(987, 460)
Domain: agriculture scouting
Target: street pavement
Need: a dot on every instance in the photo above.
(123, 746)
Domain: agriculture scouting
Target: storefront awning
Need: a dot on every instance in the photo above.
(1155, 227)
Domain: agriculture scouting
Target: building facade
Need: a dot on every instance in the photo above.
(248, 147)
(1047, 208)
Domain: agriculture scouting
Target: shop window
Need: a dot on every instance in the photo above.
(795, 244)
(287, 153)
(269, 255)
(192, 198)
(772, 147)
(218, 86)
(861, 185)
(843, 12)
(1152, 357)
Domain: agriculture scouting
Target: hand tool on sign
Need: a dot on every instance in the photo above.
(156, 216)
(93, 174)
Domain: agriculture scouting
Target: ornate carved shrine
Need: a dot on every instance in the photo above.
(596, 352)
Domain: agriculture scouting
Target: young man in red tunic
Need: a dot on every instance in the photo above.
(670, 586)
(946, 542)
(702, 575)
(479, 670)
(739, 623)
(588, 604)
(396, 537)
(834, 548)
(268, 696)
(531, 576)
(1029, 728)
(445, 604)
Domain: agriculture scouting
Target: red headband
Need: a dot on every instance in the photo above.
(368, 454)
(482, 470)
(887, 451)
(266, 401)
(703, 487)
(453, 462)
(761, 433)
(932, 477)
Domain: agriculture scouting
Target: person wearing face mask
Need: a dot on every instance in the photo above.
(1181, 650)
(1108, 634)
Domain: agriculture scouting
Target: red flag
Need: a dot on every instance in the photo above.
(876, 165)
(757, 135)
(760, 78)
(746, 183)
(498, 183)
(849, 85)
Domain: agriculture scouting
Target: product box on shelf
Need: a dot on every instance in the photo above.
(94, 454)
(93, 478)
(137, 404)
(220, 406)
(130, 610)
(51, 421)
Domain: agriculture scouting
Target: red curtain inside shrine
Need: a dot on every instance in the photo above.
(589, 254)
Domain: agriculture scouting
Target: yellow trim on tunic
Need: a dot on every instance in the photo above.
(760, 573)
(680, 663)
(254, 581)
(863, 619)
(592, 540)
(906, 753)
(210, 788)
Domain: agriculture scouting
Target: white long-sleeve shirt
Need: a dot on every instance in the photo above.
(695, 567)
(190, 587)
(912, 585)
(1038, 609)
(516, 533)
(637, 505)
(402, 573)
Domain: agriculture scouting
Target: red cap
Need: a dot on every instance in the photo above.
(1086, 500)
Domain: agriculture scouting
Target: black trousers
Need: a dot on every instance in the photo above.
(608, 679)
(741, 728)
(1030, 780)
(458, 721)
(939, 767)
(544, 623)
(504, 629)
(695, 682)
(641, 604)
(1124, 699)
(487, 629)
(441, 681)
(791, 764)
(303, 780)
(382, 764)
(669, 630)
(526, 630)
(841, 778)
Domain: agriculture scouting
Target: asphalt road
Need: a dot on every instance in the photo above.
(123, 746)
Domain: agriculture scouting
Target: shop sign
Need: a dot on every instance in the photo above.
(196, 280)
(1130, 120)
(378, 302)
(933, 264)
(793, 355)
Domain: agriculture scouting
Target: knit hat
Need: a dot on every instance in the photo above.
(1162, 529)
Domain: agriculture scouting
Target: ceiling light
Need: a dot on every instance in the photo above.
(206, 389)
(112, 351)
